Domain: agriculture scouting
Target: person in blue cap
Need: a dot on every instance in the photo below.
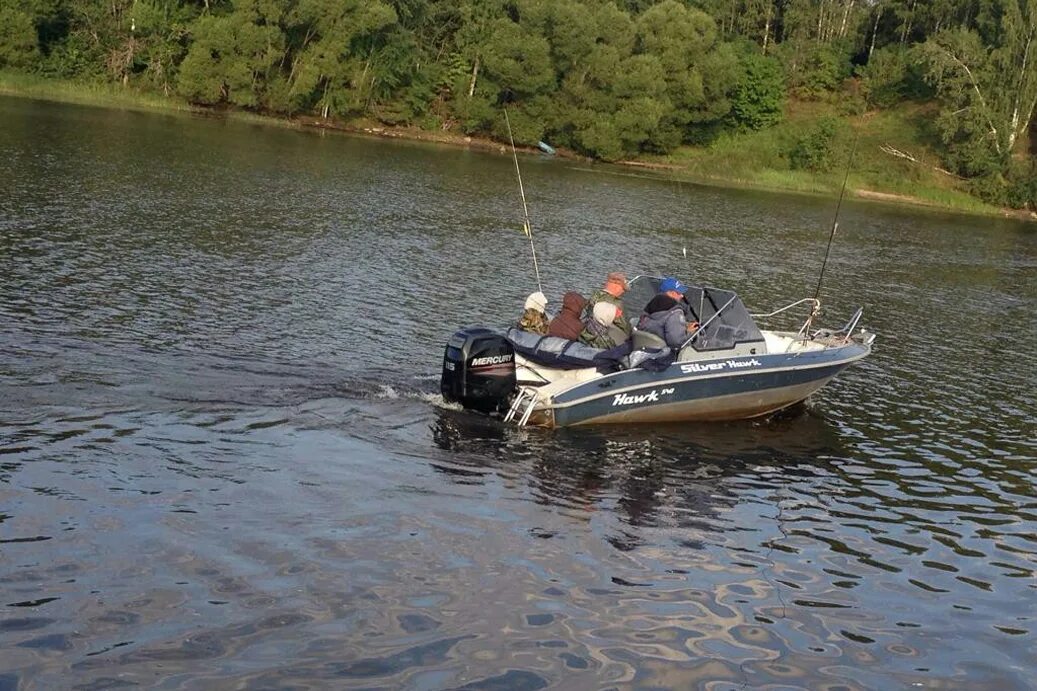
(664, 315)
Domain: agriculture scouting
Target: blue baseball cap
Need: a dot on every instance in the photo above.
(670, 283)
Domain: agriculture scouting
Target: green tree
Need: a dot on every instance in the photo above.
(700, 73)
(759, 99)
(18, 39)
(893, 74)
(232, 56)
(516, 68)
(988, 84)
(336, 64)
(159, 32)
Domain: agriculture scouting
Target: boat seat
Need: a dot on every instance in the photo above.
(647, 339)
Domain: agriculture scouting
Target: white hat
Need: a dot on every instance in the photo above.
(536, 301)
(605, 313)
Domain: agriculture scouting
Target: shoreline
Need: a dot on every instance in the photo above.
(113, 96)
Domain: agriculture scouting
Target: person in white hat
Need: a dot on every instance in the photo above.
(534, 314)
(596, 331)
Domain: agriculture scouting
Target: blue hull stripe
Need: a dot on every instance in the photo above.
(686, 381)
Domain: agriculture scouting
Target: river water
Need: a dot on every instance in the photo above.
(224, 462)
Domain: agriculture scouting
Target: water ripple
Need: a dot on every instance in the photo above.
(223, 458)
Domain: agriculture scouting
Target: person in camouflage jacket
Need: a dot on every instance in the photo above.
(611, 292)
(597, 331)
(534, 315)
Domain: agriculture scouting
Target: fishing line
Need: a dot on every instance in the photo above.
(525, 209)
(678, 187)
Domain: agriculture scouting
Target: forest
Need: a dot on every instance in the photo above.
(612, 80)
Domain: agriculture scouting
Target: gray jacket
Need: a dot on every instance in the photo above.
(669, 325)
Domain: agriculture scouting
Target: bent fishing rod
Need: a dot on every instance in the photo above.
(525, 209)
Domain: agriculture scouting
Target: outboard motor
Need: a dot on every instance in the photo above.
(478, 370)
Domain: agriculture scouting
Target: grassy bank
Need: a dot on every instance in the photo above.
(86, 93)
(880, 168)
(750, 159)
(115, 96)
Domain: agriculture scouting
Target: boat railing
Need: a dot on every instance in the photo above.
(815, 309)
(804, 332)
(816, 306)
(847, 330)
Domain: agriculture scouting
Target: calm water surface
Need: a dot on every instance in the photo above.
(223, 461)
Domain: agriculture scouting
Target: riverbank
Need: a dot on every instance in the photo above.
(891, 165)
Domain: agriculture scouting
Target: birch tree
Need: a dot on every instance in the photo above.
(987, 80)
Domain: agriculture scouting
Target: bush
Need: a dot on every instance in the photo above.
(18, 39)
(991, 188)
(815, 71)
(818, 148)
(759, 98)
(1021, 190)
(76, 57)
(892, 75)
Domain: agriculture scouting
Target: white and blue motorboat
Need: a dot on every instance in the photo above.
(728, 369)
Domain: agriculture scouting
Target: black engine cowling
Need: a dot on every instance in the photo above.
(478, 370)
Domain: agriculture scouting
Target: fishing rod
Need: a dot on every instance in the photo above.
(835, 221)
(525, 209)
(832, 236)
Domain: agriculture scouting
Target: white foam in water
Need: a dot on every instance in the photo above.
(438, 401)
(386, 391)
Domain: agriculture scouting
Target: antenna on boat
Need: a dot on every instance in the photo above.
(835, 226)
(525, 209)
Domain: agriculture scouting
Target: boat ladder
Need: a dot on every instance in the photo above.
(523, 405)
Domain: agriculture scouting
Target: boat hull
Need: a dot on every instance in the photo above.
(718, 390)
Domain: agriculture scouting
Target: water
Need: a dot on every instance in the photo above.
(223, 461)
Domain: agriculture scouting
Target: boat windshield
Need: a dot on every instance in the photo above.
(733, 324)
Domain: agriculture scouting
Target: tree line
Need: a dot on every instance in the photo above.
(607, 78)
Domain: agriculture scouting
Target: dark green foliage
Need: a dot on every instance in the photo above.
(986, 80)
(608, 78)
(18, 38)
(759, 98)
(816, 70)
(820, 148)
(1016, 188)
(231, 57)
(892, 75)
(1022, 181)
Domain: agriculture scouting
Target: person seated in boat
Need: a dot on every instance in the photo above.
(534, 314)
(567, 324)
(612, 293)
(664, 315)
(601, 330)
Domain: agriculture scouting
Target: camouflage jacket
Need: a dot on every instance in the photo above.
(621, 321)
(597, 335)
(534, 321)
